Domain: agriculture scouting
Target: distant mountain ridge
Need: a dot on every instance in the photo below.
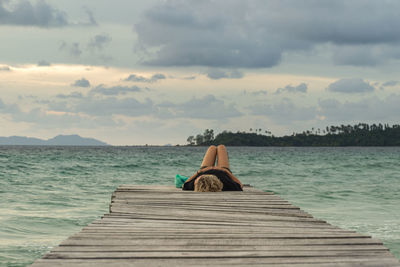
(59, 140)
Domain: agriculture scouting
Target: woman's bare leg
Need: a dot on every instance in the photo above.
(209, 157)
(223, 159)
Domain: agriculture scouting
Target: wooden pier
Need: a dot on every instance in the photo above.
(164, 226)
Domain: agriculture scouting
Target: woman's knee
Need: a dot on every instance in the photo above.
(212, 147)
(221, 147)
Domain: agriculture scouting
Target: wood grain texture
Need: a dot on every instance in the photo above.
(164, 226)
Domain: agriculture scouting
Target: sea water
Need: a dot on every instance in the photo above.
(50, 193)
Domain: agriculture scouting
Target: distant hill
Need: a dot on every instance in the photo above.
(59, 140)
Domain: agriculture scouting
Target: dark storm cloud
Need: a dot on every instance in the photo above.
(216, 74)
(115, 90)
(81, 83)
(350, 86)
(137, 78)
(25, 13)
(99, 41)
(254, 34)
(301, 88)
(284, 111)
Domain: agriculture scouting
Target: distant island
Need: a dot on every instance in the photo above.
(59, 140)
(361, 134)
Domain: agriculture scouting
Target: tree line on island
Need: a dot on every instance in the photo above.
(361, 134)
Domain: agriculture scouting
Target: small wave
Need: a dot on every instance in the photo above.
(125, 166)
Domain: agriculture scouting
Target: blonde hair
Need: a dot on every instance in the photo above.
(208, 183)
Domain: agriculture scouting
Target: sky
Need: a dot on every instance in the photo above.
(155, 72)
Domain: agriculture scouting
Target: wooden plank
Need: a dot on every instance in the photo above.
(87, 241)
(251, 206)
(206, 216)
(255, 210)
(123, 236)
(149, 263)
(204, 213)
(163, 229)
(209, 254)
(208, 224)
(291, 261)
(164, 226)
(191, 211)
(225, 247)
(190, 226)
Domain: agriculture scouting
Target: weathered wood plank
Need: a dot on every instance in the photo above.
(161, 229)
(123, 236)
(191, 211)
(221, 226)
(219, 248)
(71, 241)
(188, 223)
(209, 254)
(225, 247)
(276, 205)
(288, 261)
(223, 218)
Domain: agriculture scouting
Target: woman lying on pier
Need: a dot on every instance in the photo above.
(212, 178)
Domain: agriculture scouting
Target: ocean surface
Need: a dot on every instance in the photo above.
(49, 193)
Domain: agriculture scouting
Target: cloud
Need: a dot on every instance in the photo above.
(8, 108)
(73, 48)
(92, 20)
(114, 106)
(255, 93)
(95, 45)
(367, 109)
(81, 83)
(43, 63)
(51, 118)
(301, 88)
(39, 14)
(251, 34)
(76, 95)
(102, 104)
(137, 78)
(350, 86)
(207, 107)
(284, 112)
(5, 68)
(99, 41)
(359, 55)
(216, 74)
(189, 78)
(390, 83)
(115, 90)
